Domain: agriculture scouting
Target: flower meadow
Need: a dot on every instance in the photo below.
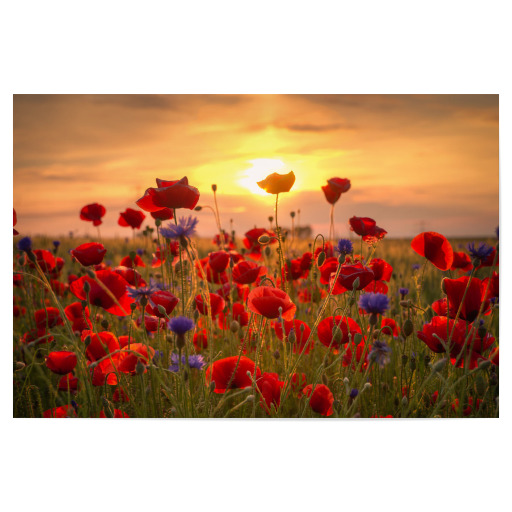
(260, 324)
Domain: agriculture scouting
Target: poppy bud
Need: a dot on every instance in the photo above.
(21, 261)
(84, 303)
(276, 355)
(198, 208)
(493, 379)
(438, 367)
(355, 285)
(427, 359)
(87, 287)
(292, 214)
(183, 242)
(214, 188)
(185, 375)
(19, 365)
(168, 338)
(270, 219)
(133, 306)
(90, 273)
(408, 328)
(196, 315)
(31, 256)
(412, 363)
(404, 359)
(143, 301)
(235, 326)
(321, 259)
(443, 285)
(87, 340)
(139, 368)
(250, 398)
(264, 239)
(367, 386)
(484, 365)
(162, 310)
(482, 331)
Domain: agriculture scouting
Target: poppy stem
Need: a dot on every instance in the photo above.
(281, 256)
(331, 228)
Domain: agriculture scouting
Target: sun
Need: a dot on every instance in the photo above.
(261, 168)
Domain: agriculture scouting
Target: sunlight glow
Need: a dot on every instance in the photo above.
(261, 168)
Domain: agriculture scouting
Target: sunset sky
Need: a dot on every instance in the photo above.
(416, 162)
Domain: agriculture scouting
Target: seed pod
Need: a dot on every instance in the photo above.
(292, 338)
(408, 328)
(158, 222)
(412, 363)
(235, 326)
(143, 301)
(263, 239)
(482, 331)
(356, 283)
(87, 341)
(133, 306)
(214, 188)
(87, 287)
(484, 365)
(162, 310)
(276, 355)
(438, 367)
(404, 359)
(321, 259)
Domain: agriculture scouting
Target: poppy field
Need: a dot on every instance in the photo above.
(261, 324)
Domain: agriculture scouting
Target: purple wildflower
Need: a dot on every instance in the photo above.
(180, 324)
(416, 266)
(345, 246)
(375, 303)
(194, 361)
(25, 244)
(186, 228)
(380, 353)
(143, 291)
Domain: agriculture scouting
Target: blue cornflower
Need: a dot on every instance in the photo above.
(159, 354)
(481, 252)
(25, 244)
(157, 284)
(403, 291)
(140, 252)
(180, 324)
(194, 361)
(380, 353)
(186, 228)
(353, 393)
(139, 293)
(56, 243)
(416, 266)
(375, 303)
(345, 246)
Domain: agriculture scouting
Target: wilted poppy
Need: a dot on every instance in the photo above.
(455, 289)
(269, 386)
(78, 316)
(117, 287)
(221, 372)
(277, 183)
(169, 194)
(435, 247)
(89, 254)
(246, 272)
(131, 218)
(47, 318)
(61, 362)
(266, 301)
(301, 332)
(348, 275)
(321, 399)
(334, 188)
(217, 304)
(334, 331)
(162, 298)
(93, 213)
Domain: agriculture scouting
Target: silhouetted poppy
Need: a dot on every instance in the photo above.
(217, 304)
(219, 260)
(269, 387)
(64, 411)
(89, 254)
(47, 318)
(100, 344)
(130, 262)
(14, 222)
(61, 362)
(334, 331)
(169, 194)
(99, 297)
(455, 289)
(93, 213)
(162, 298)
(131, 218)
(266, 301)
(435, 248)
(334, 188)
(348, 275)
(246, 272)
(301, 332)
(78, 316)
(321, 399)
(277, 183)
(163, 214)
(221, 371)
(461, 261)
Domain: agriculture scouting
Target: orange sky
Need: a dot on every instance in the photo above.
(416, 162)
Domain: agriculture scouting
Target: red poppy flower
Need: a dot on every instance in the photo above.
(117, 414)
(328, 248)
(300, 329)
(246, 272)
(93, 213)
(200, 340)
(359, 357)
(78, 316)
(68, 383)
(89, 254)
(217, 304)
(363, 226)
(238, 313)
(382, 270)
(163, 214)
(321, 399)
(99, 297)
(440, 307)
(61, 362)
(64, 411)
(494, 356)
(120, 395)
(219, 260)
(469, 408)
(14, 222)
(334, 188)
(131, 276)
(100, 345)
(435, 248)
(306, 261)
(347, 276)
(277, 183)
(18, 311)
(461, 261)
(45, 260)
(388, 326)
(493, 288)
(455, 289)
(169, 194)
(228, 241)
(330, 337)
(269, 387)
(329, 267)
(239, 292)
(161, 298)
(47, 318)
(128, 262)
(221, 371)
(211, 275)
(293, 270)
(375, 235)
(125, 361)
(377, 287)
(266, 301)
(151, 323)
(251, 241)
(125, 340)
(36, 334)
(131, 218)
